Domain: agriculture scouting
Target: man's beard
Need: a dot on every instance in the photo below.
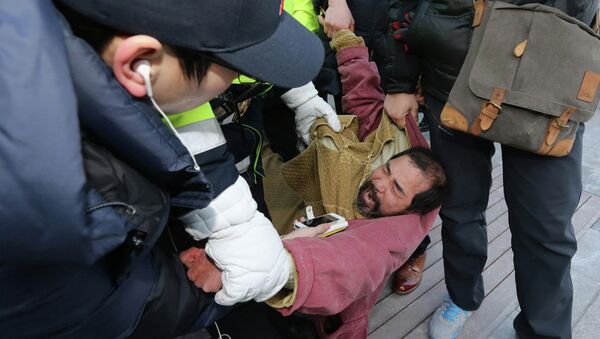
(361, 205)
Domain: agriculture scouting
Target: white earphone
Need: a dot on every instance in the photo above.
(142, 68)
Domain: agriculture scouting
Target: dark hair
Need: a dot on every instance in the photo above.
(427, 162)
(194, 64)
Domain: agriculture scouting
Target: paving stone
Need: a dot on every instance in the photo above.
(591, 136)
(497, 158)
(585, 273)
(591, 157)
(589, 326)
(591, 178)
(506, 330)
(596, 225)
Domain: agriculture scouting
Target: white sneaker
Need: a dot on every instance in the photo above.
(448, 320)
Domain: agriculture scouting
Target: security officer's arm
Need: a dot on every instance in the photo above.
(242, 241)
(308, 106)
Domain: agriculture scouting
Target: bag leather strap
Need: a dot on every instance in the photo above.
(479, 6)
(557, 124)
(489, 111)
(596, 22)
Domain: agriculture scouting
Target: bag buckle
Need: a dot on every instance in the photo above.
(561, 124)
(498, 107)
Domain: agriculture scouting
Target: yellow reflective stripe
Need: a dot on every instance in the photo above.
(200, 113)
(242, 79)
(304, 12)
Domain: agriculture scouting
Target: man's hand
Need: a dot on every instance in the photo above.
(337, 17)
(307, 232)
(398, 105)
(201, 270)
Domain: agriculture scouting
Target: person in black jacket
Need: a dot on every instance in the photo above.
(430, 47)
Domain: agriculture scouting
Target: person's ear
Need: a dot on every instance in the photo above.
(130, 51)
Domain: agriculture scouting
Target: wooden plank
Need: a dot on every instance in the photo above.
(394, 304)
(585, 215)
(496, 196)
(497, 305)
(585, 271)
(497, 178)
(410, 317)
(404, 322)
(434, 250)
(434, 253)
(415, 309)
(584, 197)
(495, 228)
(502, 301)
(492, 213)
(497, 170)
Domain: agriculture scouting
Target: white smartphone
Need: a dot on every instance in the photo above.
(338, 223)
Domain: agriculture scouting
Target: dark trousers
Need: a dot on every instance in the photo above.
(542, 194)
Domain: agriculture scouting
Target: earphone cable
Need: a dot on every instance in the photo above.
(221, 336)
(196, 166)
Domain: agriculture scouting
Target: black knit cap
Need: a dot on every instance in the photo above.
(255, 36)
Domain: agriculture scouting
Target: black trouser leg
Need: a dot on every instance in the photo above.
(422, 247)
(542, 194)
(467, 164)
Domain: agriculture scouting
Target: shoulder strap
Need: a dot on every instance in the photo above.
(596, 22)
(479, 7)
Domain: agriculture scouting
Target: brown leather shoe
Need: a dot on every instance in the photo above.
(409, 275)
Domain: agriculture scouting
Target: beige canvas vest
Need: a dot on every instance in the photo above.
(329, 172)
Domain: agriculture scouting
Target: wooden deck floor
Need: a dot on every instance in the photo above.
(396, 316)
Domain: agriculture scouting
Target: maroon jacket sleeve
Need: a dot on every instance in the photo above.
(345, 273)
(362, 94)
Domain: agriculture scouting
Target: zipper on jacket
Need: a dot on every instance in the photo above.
(128, 208)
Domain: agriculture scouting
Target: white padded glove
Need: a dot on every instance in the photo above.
(233, 206)
(243, 244)
(309, 106)
(252, 259)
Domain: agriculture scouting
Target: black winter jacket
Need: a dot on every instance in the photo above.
(435, 44)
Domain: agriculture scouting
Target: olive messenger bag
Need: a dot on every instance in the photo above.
(530, 77)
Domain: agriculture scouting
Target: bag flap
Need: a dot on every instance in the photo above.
(559, 68)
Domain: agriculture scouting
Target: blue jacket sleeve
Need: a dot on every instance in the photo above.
(42, 203)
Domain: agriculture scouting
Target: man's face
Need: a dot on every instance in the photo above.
(390, 188)
(174, 93)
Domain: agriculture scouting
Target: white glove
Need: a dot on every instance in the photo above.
(309, 106)
(233, 206)
(244, 245)
(252, 259)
